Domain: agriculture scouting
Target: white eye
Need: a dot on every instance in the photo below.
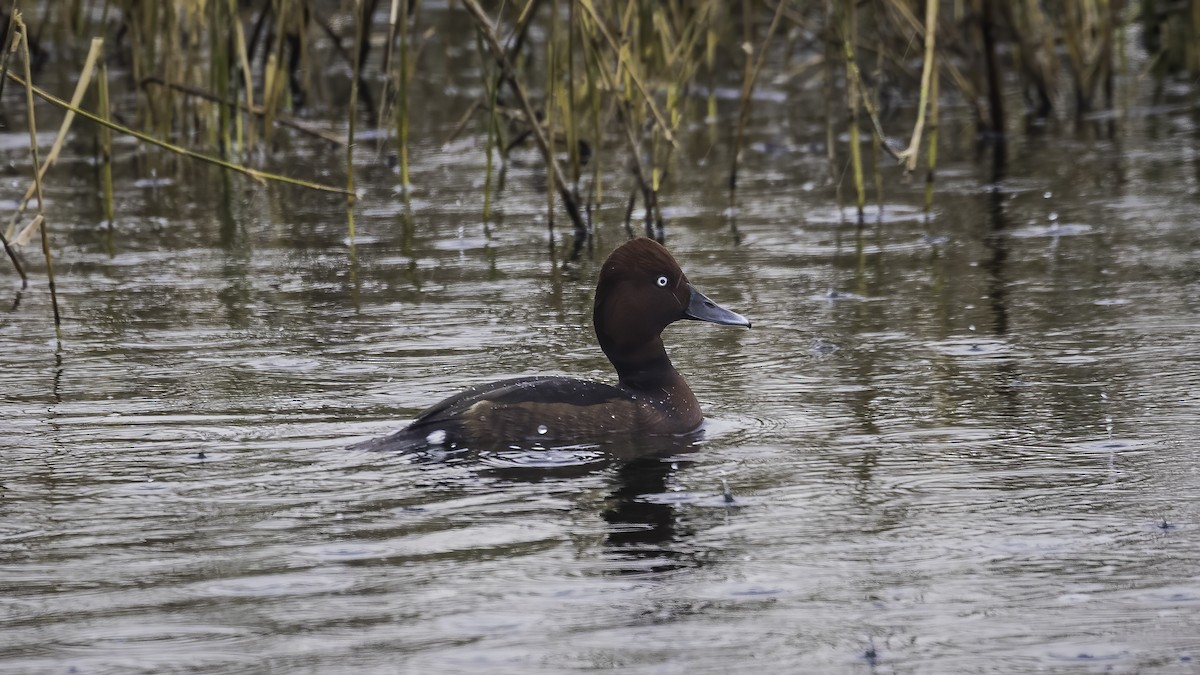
(663, 281)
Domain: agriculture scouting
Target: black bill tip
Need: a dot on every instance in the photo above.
(700, 308)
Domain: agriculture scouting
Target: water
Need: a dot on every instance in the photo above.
(958, 443)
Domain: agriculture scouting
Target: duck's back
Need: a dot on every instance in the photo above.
(548, 409)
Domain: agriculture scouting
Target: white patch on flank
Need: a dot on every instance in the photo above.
(436, 437)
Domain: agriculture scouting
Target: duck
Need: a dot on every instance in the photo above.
(641, 290)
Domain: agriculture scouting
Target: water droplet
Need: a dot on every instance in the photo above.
(1047, 194)
(1053, 216)
(542, 429)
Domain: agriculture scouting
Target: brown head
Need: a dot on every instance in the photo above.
(641, 291)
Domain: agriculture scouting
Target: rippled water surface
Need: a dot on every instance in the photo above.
(956, 443)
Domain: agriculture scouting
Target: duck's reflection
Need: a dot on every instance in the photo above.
(644, 533)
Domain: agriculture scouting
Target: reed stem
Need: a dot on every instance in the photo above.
(623, 61)
(492, 85)
(360, 26)
(402, 84)
(85, 79)
(498, 53)
(246, 133)
(278, 119)
(259, 176)
(12, 255)
(106, 151)
(40, 220)
(878, 141)
(750, 77)
(849, 35)
(828, 88)
(931, 153)
(551, 89)
(219, 72)
(910, 154)
(9, 35)
(572, 122)
(992, 69)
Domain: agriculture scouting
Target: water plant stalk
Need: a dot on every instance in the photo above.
(40, 220)
(866, 98)
(931, 153)
(219, 74)
(403, 80)
(569, 114)
(360, 27)
(910, 153)
(555, 173)
(752, 69)
(849, 35)
(106, 151)
(991, 69)
(85, 79)
(246, 132)
(257, 175)
(9, 34)
(388, 49)
(12, 256)
(629, 119)
(877, 140)
(623, 61)
(551, 88)
(6, 45)
(592, 68)
(279, 119)
(274, 75)
(493, 88)
(829, 77)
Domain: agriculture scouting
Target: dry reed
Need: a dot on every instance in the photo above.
(615, 78)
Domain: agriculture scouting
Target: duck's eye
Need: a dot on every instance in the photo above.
(663, 281)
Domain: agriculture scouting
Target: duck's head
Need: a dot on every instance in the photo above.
(641, 291)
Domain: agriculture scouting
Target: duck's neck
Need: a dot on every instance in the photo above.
(648, 374)
(664, 390)
(638, 359)
(637, 353)
(646, 371)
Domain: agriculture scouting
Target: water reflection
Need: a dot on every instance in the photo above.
(643, 533)
(996, 242)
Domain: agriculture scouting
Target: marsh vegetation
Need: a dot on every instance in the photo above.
(590, 84)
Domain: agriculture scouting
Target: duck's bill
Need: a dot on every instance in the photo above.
(701, 308)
